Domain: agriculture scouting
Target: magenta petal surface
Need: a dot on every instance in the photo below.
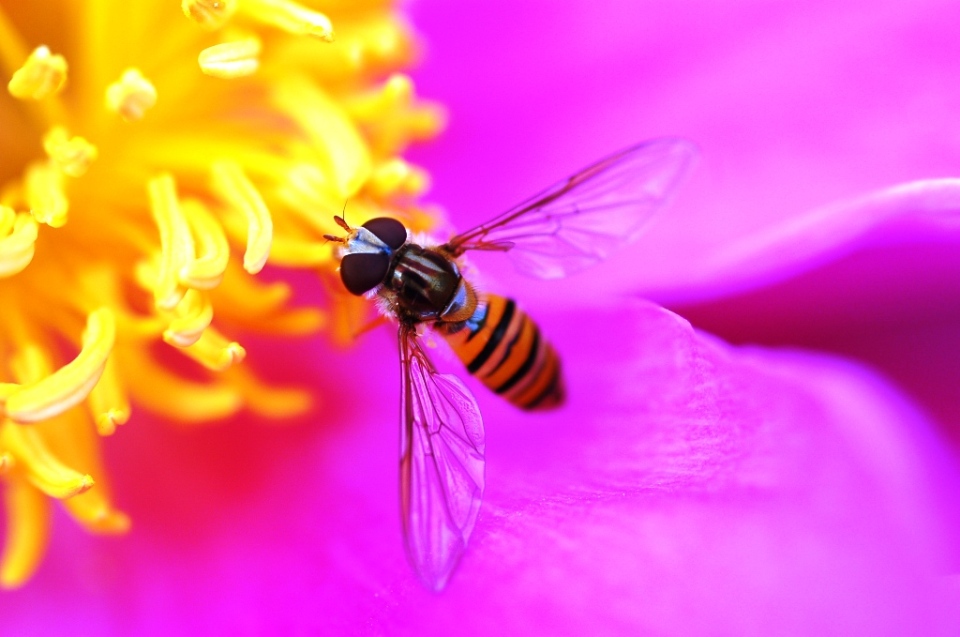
(823, 213)
(794, 105)
(688, 488)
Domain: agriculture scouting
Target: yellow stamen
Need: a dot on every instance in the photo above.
(191, 317)
(72, 154)
(395, 92)
(397, 177)
(94, 511)
(236, 189)
(313, 127)
(264, 305)
(176, 242)
(131, 96)
(394, 116)
(291, 17)
(13, 50)
(212, 249)
(209, 14)
(293, 253)
(342, 152)
(231, 59)
(270, 402)
(42, 75)
(29, 364)
(70, 384)
(18, 236)
(181, 400)
(45, 195)
(109, 405)
(28, 528)
(40, 466)
(214, 351)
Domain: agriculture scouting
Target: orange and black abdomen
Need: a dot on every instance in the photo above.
(503, 347)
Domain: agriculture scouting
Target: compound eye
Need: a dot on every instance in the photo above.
(388, 230)
(363, 271)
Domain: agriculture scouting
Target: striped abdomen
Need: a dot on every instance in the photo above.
(504, 348)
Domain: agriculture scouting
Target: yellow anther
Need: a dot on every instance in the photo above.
(291, 17)
(342, 152)
(212, 249)
(43, 187)
(131, 96)
(94, 511)
(236, 189)
(108, 402)
(215, 352)
(176, 242)
(397, 177)
(18, 236)
(43, 469)
(43, 74)
(191, 316)
(231, 59)
(209, 14)
(72, 154)
(70, 384)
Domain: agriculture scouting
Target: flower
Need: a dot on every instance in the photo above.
(690, 486)
(132, 170)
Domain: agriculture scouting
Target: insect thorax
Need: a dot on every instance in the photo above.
(426, 285)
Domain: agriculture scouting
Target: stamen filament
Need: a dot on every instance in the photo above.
(13, 50)
(179, 399)
(40, 466)
(28, 529)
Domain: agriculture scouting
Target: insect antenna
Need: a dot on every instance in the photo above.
(340, 220)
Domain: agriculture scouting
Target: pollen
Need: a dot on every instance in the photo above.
(18, 236)
(209, 14)
(54, 394)
(231, 59)
(131, 96)
(140, 202)
(291, 17)
(42, 75)
(73, 155)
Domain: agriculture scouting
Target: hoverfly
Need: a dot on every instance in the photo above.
(569, 226)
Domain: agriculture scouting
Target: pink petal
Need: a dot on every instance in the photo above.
(794, 105)
(688, 488)
(800, 110)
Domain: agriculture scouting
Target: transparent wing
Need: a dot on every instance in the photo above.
(581, 220)
(441, 464)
